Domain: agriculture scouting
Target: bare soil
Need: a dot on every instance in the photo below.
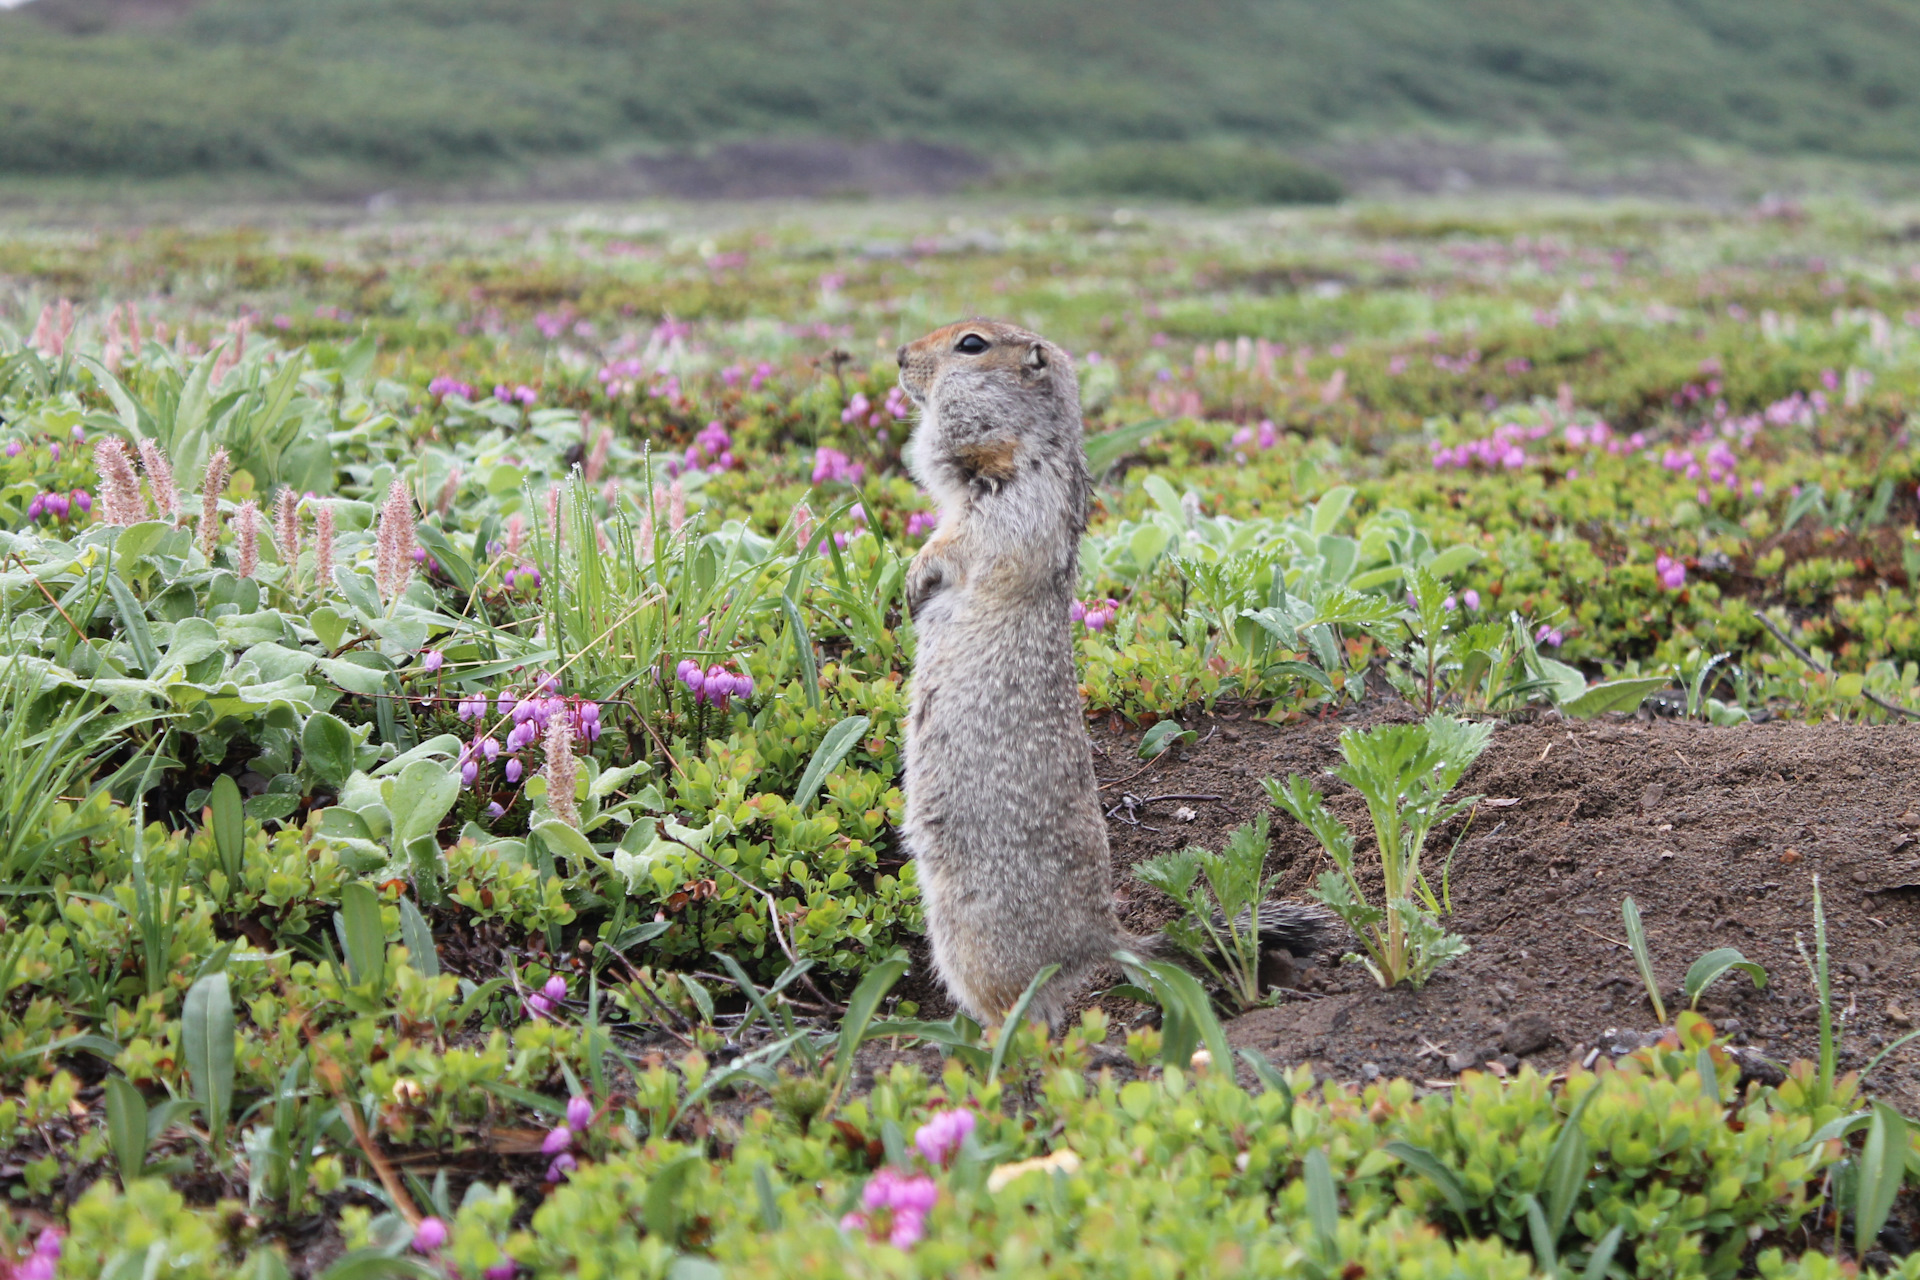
(1716, 833)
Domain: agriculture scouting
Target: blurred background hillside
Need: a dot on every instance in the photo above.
(743, 97)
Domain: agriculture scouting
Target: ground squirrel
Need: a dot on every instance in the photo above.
(1003, 817)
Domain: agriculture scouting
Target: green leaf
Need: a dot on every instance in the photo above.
(1160, 738)
(1331, 509)
(127, 1127)
(329, 626)
(860, 1010)
(1012, 1022)
(660, 1209)
(1108, 447)
(1708, 968)
(827, 756)
(802, 650)
(1614, 695)
(326, 745)
(133, 624)
(1453, 560)
(1602, 1256)
(421, 797)
(207, 1034)
(229, 827)
(422, 955)
(562, 838)
(1269, 1076)
(451, 561)
(1323, 1203)
(1642, 958)
(1445, 1180)
(1544, 1250)
(1566, 1172)
(363, 936)
(1883, 1164)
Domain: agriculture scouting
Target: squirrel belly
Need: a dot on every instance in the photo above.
(1003, 813)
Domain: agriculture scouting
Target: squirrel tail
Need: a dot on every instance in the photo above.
(1289, 931)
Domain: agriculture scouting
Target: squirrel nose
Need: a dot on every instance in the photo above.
(900, 356)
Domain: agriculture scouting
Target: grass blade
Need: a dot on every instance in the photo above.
(1270, 1077)
(1642, 958)
(1544, 1252)
(1444, 1179)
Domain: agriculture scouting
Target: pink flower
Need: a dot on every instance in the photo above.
(939, 1138)
(558, 1139)
(429, 1236)
(1471, 598)
(579, 1111)
(1671, 573)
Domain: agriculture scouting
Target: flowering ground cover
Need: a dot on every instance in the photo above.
(450, 750)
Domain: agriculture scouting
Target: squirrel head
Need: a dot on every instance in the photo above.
(997, 403)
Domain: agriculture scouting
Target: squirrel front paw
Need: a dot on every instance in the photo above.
(926, 577)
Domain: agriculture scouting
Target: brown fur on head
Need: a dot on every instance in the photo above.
(995, 400)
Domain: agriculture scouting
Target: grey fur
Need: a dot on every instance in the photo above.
(1003, 816)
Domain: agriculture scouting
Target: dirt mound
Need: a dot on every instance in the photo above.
(1715, 832)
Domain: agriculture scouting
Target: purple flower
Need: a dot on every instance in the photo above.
(504, 704)
(469, 773)
(472, 707)
(556, 989)
(579, 1111)
(494, 811)
(559, 1138)
(502, 1270)
(941, 1136)
(1471, 597)
(490, 748)
(514, 771)
(13, 448)
(539, 1006)
(429, 1236)
(83, 501)
(431, 660)
(563, 1164)
(1671, 573)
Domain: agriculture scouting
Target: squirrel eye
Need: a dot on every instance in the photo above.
(973, 344)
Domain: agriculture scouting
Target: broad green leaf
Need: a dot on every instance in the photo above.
(229, 829)
(133, 624)
(419, 798)
(1883, 1165)
(1323, 1203)
(1445, 1180)
(1332, 507)
(1614, 695)
(1565, 684)
(422, 955)
(833, 748)
(127, 1126)
(1453, 560)
(1642, 958)
(327, 747)
(363, 936)
(1708, 968)
(1108, 447)
(861, 1007)
(562, 838)
(207, 1032)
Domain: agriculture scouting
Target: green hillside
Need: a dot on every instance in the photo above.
(436, 87)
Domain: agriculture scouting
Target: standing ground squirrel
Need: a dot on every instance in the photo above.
(1003, 815)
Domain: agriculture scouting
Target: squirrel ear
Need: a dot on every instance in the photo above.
(1036, 357)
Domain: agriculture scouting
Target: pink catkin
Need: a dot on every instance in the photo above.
(166, 494)
(448, 492)
(246, 530)
(134, 337)
(323, 548)
(286, 520)
(120, 500)
(553, 513)
(516, 533)
(212, 484)
(597, 460)
(676, 508)
(393, 562)
(643, 538)
(803, 528)
(561, 772)
(110, 356)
